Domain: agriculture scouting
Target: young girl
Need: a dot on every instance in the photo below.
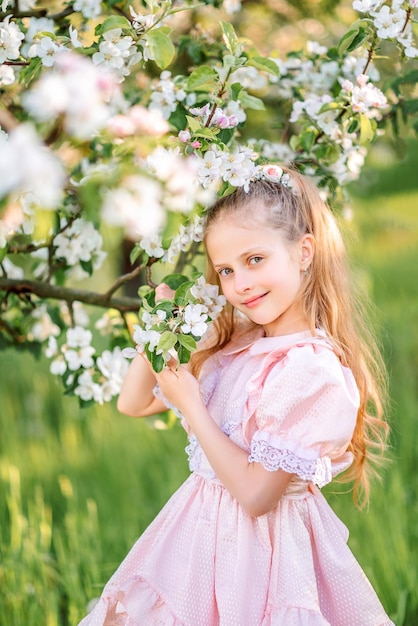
(285, 397)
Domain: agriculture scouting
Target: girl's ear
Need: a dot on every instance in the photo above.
(307, 251)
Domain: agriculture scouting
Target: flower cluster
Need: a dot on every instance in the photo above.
(80, 242)
(83, 96)
(236, 167)
(391, 21)
(88, 376)
(171, 328)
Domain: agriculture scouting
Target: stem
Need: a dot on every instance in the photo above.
(124, 279)
(150, 282)
(407, 18)
(218, 95)
(370, 54)
(55, 292)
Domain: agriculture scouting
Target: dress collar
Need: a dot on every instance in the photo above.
(258, 344)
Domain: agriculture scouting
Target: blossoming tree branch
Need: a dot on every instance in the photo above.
(124, 120)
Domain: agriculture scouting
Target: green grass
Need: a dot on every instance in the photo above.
(78, 487)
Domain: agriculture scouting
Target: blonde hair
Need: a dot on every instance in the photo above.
(328, 301)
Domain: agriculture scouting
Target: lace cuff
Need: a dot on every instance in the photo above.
(275, 454)
(160, 396)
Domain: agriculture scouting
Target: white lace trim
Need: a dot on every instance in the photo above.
(272, 458)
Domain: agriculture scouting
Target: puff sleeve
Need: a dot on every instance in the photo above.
(305, 415)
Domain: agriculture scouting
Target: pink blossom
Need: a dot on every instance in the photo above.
(184, 136)
(121, 126)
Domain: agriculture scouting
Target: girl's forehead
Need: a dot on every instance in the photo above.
(231, 234)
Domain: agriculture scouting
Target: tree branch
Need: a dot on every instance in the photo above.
(54, 292)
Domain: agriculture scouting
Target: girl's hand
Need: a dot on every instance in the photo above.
(180, 388)
(163, 292)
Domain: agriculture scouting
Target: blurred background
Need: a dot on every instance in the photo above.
(78, 486)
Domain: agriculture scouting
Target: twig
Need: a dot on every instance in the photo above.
(124, 279)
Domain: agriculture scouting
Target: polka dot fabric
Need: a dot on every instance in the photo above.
(204, 561)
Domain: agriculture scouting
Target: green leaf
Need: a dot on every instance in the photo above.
(352, 40)
(187, 342)
(353, 126)
(366, 129)
(115, 21)
(330, 106)
(87, 267)
(409, 77)
(156, 360)
(183, 354)
(229, 36)
(193, 124)
(30, 72)
(410, 106)
(164, 305)
(307, 139)
(174, 280)
(203, 78)
(167, 341)
(182, 295)
(266, 65)
(144, 290)
(250, 102)
(161, 47)
(135, 253)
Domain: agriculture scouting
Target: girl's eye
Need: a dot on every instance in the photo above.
(225, 271)
(255, 259)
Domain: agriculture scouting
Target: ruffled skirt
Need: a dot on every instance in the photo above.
(204, 562)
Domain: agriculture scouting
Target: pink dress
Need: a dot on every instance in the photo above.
(204, 561)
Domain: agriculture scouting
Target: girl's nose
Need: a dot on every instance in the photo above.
(242, 282)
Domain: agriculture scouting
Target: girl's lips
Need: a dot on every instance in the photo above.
(254, 301)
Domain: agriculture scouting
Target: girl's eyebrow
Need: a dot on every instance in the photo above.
(248, 252)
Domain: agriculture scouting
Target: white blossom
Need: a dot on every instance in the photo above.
(86, 388)
(366, 98)
(84, 95)
(238, 167)
(25, 165)
(89, 8)
(389, 23)
(78, 337)
(44, 327)
(152, 246)
(194, 320)
(113, 366)
(164, 95)
(79, 358)
(7, 75)
(209, 297)
(10, 40)
(179, 175)
(366, 6)
(116, 52)
(210, 166)
(80, 242)
(58, 366)
(47, 50)
(141, 338)
(10, 269)
(135, 206)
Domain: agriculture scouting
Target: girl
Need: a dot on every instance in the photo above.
(284, 397)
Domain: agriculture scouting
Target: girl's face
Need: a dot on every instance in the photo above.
(260, 272)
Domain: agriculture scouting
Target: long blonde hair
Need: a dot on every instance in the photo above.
(329, 303)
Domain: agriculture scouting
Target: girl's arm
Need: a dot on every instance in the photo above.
(136, 398)
(256, 489)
